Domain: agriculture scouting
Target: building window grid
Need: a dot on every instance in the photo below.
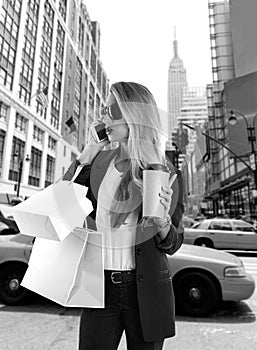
(46, 49)
(35, 167)
(52, 143)
(38, 134)
(18, 148)
(62, 9)
(93, 63)
(3, 111)
(43, 79)
(25, 83)
(33, 6)
(99, 75)
(9, 26)
(54, 120)
(87, 50)
(20, 123)
(31, 25)
(81, 35)
(49, 11)
(40, 110)
(50, 167)
(28, 51)
(104, 92)
(2, 139)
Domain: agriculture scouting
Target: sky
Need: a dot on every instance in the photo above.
(137, 41)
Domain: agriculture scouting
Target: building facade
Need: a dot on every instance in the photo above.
(233, 51)
(194, 106)
(50, 71)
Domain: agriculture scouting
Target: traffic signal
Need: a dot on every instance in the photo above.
(183, 140)
(175, 137)
(180, 139)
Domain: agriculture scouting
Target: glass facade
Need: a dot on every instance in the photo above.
(9, 28)
(45, 57)
(28, 52)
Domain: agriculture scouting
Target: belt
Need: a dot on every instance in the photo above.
(121, 276)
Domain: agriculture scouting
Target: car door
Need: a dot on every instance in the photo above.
(222, 234)
(246, 235)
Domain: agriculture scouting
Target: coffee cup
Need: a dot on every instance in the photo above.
(153, 180)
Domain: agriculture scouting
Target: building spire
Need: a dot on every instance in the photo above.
(175, 44)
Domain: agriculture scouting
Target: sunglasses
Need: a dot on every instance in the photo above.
(113, 111)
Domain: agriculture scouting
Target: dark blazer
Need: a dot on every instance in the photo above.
(154, 282)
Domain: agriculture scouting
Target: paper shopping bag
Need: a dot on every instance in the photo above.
(54, 212)
(69, 272)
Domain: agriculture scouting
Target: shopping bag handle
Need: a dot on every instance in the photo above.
(78, 170)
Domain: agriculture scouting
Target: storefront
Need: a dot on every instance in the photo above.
(234, 199)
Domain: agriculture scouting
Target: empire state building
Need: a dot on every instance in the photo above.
(177, 80)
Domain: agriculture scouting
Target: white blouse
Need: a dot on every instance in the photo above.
(118, 242)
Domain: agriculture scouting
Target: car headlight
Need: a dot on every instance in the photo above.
(236, 271)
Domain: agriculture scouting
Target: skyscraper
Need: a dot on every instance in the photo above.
(177, 80)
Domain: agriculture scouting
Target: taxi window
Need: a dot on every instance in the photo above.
(203, 225)
(220, 225)
(243, 226)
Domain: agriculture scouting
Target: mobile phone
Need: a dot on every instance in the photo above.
(99, 132)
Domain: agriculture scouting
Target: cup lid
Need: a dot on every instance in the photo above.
(158, 166)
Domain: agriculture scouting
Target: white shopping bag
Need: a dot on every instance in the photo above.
(69, 272)
(54, 212)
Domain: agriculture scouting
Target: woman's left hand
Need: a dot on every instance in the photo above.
(166, 195)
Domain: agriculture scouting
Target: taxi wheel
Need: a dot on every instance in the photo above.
(195, 294)
(11, 292)
(204, 242)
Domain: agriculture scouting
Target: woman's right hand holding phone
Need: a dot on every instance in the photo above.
(92, 147)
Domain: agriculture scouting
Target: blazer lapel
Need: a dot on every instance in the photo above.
(99, 168)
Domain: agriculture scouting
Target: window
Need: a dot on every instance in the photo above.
(2, 138)
(3, 111)
(31, 26)
(54, 120)
(38, 134)
(220, 225)
(24, 94)
(20, 123)
(33, 6)
(52, 143)
(50, 167)
(35, 167)
(243, 226)
(18, 147)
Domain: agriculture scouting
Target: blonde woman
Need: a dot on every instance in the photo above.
(138, 288)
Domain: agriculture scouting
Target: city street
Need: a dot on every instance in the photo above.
(47, 326)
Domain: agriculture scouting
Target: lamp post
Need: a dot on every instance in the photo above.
(251, 136)
(20, 162)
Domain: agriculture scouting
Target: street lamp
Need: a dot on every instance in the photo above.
(251, 136)
(20, 162)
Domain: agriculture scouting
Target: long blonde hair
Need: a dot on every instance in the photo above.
(145, 143)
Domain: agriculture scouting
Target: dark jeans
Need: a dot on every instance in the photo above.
(101, 329)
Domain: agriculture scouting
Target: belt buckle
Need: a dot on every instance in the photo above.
(113, 276)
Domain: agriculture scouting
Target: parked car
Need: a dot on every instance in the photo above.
(11, 226)
(202, 277)
(222, 233)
